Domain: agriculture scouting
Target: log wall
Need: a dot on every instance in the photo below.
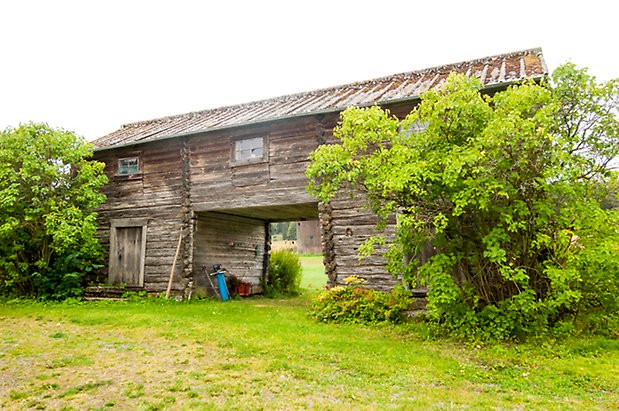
(346, 225)
(237, 243)
(184, 181)
(156, 194)
(218, 183)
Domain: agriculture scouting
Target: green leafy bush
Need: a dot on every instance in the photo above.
(355, 304)
(49, 189)
(65, 278)
(284, 273)
(511, 192)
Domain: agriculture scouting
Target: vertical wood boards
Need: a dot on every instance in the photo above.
(125, 262)
(308, 237)
(160, 228)
(127, 251)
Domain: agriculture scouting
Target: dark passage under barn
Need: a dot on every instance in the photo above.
(239, 239)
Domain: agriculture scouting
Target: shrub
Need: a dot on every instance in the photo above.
(49, 190)
(284, 273)
(502, 203)
(65, 278)
(355, 304)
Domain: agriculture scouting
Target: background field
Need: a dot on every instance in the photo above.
(258, 353)
(313, 272)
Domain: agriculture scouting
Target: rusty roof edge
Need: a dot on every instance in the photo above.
(535, 50)
(489, 87)
(542, 61)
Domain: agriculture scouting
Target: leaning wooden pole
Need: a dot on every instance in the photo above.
(178, 249)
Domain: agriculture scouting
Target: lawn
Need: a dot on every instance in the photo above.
(258, 353)
(313, 272)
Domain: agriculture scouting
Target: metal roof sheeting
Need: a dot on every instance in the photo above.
(492, 71)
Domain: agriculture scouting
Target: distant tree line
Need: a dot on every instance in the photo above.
(284, 230)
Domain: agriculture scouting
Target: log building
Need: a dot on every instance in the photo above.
(217, 178)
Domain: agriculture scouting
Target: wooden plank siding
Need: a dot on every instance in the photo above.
(155, 194)
(193, 182)
(350, 226)
(217, 183)
(308, 237)
(237, 243)
(188, 176)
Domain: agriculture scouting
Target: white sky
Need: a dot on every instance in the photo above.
(92, 66)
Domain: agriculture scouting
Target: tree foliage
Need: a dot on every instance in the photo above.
(287, 230)
(48, 192)
(507, 191)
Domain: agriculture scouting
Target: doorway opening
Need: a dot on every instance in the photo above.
(304, 239)
(241, 240)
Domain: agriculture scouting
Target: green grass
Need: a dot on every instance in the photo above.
(314, 277)
(258, 353)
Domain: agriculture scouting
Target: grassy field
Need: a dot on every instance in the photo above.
(314, 278)
(266, 354)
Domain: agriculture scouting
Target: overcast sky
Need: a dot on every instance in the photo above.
(92, 66)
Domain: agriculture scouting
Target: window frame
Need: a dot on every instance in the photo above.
(132, 156)
(413, 128)
(234, 161)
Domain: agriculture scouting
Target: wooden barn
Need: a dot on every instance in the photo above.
(216, 179)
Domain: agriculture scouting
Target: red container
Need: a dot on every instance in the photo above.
(243, 289)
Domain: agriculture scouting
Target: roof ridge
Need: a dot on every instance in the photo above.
(356, 84)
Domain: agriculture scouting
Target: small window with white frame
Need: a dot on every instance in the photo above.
(128, 166)
(249, 150)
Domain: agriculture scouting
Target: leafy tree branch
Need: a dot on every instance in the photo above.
(507, 189)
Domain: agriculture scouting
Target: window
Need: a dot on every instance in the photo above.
(249, 150)
(413, 128)
(128, 166)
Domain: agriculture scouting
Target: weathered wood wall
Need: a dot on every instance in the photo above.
(346, 226)
(155, 194)
(309, 237)
(237, 243)
(184, 180)
(217, 183)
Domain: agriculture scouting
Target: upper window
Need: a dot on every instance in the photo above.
(413, 128)
(249, 150)
(128, 166)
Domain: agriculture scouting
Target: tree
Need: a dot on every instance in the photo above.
(49, 190)
(287, 229)
(291, 231)
(507, 190)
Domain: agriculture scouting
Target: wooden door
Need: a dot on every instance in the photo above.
(126, 261)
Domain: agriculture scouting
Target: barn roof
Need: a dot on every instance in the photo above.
(492, 71)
